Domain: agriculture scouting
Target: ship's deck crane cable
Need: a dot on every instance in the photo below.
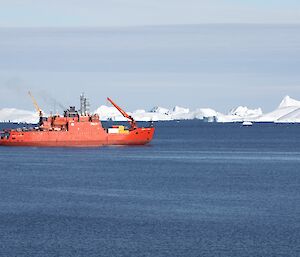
(132, 122)
(38, 109)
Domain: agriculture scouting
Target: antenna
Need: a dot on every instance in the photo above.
(84, 105)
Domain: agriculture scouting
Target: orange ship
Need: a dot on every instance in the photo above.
(77, 129)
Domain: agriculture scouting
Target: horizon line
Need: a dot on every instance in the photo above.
(158, 25)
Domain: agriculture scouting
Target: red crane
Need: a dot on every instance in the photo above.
(132, 122)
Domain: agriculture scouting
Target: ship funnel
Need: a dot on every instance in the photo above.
(84, 105)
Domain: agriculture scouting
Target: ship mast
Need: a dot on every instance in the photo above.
(132, 122)
(84, 105)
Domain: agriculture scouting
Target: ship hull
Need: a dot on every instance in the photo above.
(76, 129)
(87, 137)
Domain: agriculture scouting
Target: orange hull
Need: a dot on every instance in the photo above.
(77, 129)
(80, 134)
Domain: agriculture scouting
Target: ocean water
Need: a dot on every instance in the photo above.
(198, 189)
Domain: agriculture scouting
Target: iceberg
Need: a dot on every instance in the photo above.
(160, 115)
(109, 113)
(180, 113)
(205, 113)
(160, 110)
(240, 114)
(288, 101)
(176, 113)
(287, 111)
(243, 111)
(292, 117)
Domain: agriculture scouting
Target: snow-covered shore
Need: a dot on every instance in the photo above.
(288, 111)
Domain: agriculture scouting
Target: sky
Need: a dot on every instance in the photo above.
(193, 53)
(94, 13)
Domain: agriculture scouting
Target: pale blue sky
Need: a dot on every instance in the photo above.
(219, 66)
(58, 13)
(251, 56)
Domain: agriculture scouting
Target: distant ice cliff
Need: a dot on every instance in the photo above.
(288, 111)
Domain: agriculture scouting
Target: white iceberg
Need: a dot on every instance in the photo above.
(240, 114)
(180, 113)
(109, 113)
(243, 111)
(288, 101)
(292, 117)
(207, 114)
(287, 111)
(160, 110)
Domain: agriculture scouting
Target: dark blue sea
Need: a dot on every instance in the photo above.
(199, 189)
